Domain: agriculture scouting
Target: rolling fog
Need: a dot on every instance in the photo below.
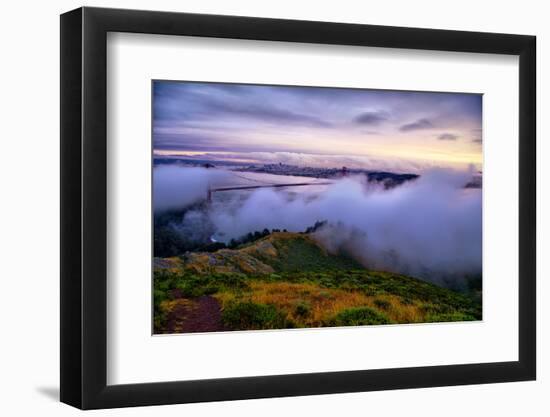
(430, 228)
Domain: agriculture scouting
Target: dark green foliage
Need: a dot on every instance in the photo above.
(168, 217)
(406, 301)
(302, 308)
(168, 242)
(382, 304)
(446, 312)
(474, 282)
(253, 316)
(257, 235)
(159, 316)
(315, 227)
(389, 179)
(359, 316)
(248, 238)
(192, 285)
(161, 291)
(212, 247)
(446, 317)
(301, 254)
(173, 236)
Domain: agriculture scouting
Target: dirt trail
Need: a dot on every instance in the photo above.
(202, 314)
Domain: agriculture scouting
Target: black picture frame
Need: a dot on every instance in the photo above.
(84, 207)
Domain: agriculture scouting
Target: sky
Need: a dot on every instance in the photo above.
(314, 126)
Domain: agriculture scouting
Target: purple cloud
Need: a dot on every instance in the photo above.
(447, 136)
(371, 118)
(418, 125)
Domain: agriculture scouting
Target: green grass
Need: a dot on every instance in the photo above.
(302, 254)
(254, 316)
(359, 316)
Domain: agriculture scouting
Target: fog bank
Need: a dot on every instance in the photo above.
(175, 187)
(430, 227)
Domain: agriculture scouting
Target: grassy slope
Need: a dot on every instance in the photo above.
(287, 280)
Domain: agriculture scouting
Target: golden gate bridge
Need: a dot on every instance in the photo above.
(263, 184)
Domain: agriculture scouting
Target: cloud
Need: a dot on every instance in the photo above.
(373, 118)
(447, 136)
(174, 187)
(264, 112)
(177, 103)
(477, 140)
(418, 125)
(218, 117)
(429, 228)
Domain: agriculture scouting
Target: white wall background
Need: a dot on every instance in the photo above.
(29, 225)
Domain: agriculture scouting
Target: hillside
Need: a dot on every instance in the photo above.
(286, 280)
(278, 252)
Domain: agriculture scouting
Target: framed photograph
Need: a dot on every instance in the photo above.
(256, 208)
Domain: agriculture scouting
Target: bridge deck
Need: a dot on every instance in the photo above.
(251, 187)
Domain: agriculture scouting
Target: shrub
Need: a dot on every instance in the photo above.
(253, 316)
(302, 308)
(407, 301)
(438, 309)
(326, 295)
(159, 316)
(359, 316)
(158, 297)
(382, 304)
(212, 247)
(447, 317)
